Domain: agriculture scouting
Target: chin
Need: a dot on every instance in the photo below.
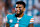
(18, 13)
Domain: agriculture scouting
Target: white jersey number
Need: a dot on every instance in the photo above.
(16, 25)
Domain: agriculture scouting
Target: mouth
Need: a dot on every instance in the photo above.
(17, 11)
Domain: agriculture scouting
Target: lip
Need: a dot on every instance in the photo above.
(18, 11)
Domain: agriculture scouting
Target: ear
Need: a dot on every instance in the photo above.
(24, 9)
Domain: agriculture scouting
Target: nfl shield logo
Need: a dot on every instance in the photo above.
(11, 21)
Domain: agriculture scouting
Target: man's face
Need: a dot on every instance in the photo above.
(19, 9)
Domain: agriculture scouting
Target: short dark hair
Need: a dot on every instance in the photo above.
(21, 2)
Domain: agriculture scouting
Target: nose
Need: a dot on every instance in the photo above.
(17, 9)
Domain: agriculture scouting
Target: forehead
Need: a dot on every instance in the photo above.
(19, 5)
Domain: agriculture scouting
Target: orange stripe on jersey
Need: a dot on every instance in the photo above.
(32, 19)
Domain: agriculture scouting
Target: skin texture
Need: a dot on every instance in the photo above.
(30, 25)
(20, 10)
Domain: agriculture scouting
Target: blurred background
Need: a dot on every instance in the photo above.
(8, 7)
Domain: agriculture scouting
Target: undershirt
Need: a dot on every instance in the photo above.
(19, 18)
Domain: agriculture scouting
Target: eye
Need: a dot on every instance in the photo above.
(16, 7)
(19, 7)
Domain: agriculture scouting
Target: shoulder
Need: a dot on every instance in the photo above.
(10, 15)
(27, 16)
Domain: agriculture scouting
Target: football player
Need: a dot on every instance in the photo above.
(19, 19)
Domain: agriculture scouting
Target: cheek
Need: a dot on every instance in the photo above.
(22, 8)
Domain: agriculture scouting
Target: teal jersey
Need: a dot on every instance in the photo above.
(23, 22)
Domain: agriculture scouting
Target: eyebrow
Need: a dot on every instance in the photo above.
(18, 7)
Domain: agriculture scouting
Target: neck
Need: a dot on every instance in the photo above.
(21, 15)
